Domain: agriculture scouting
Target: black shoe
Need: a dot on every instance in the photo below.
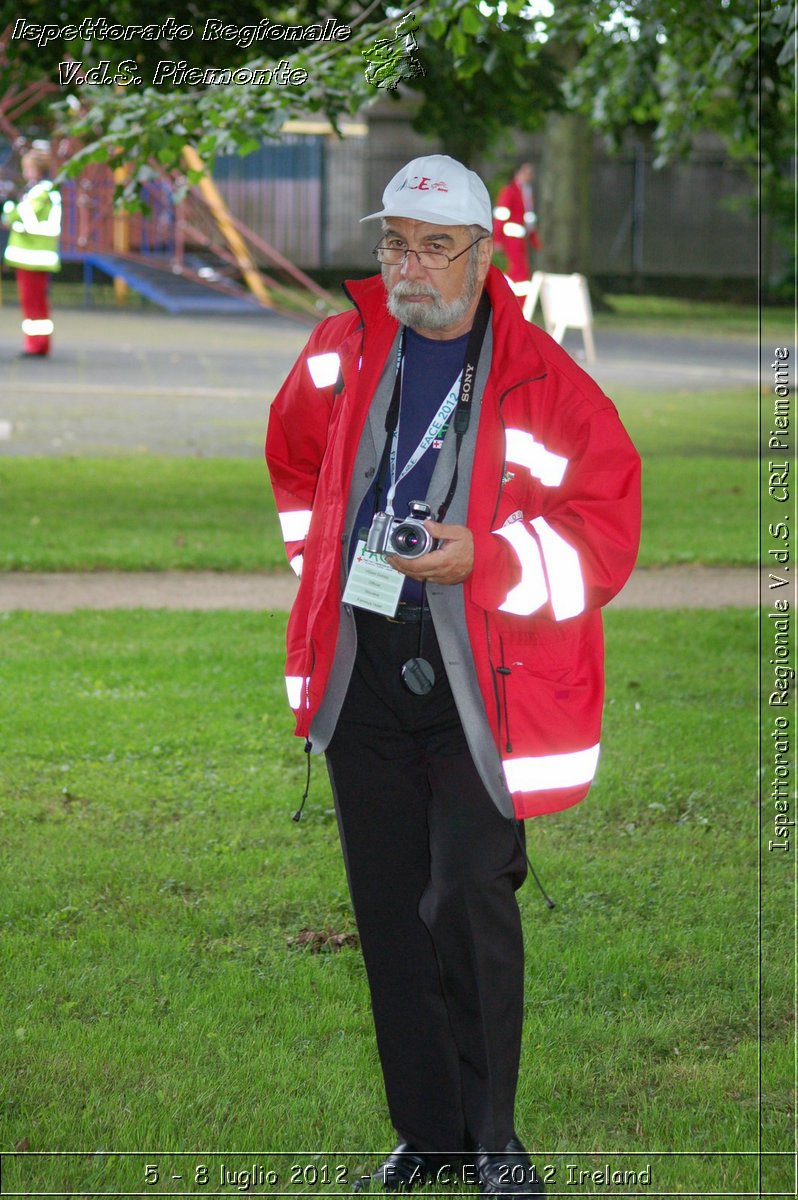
(507, 1172)
(403, 1170)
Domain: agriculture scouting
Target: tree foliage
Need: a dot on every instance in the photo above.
(679, 67)
(675, 69)
(672, 66)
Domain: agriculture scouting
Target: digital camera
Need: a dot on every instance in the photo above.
(407, 538)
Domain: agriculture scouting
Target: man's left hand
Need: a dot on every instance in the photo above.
(452, 563)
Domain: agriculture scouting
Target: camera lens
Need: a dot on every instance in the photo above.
(410, 541)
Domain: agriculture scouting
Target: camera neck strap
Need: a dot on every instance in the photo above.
(458, 400)
(433, 431)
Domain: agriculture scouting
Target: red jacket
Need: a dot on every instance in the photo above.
(554, 508)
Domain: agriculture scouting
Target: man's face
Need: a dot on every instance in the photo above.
(439, 303)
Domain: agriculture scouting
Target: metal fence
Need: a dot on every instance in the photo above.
(696, 218)
(279, 193)
(305, 195)
(88, 225)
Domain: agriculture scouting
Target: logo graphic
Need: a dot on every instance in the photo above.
(390, 60)
(424, 184)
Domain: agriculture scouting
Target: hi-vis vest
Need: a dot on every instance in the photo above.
(35, 223)
(554, 509)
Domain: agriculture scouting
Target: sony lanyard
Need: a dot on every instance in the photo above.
(435, 426)
(458, 401)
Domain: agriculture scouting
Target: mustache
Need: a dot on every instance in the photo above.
(405, 290)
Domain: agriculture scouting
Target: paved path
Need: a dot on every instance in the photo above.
(127, 382)
(122, 382)
(660, 587)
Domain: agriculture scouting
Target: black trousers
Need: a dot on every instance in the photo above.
(433, 868)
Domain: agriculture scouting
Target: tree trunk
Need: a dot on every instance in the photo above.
(564, 194)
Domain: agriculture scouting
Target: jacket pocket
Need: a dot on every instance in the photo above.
(543, 647)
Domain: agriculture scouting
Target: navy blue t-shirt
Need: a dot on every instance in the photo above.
(431, 366)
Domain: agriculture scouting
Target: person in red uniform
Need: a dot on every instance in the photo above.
(451, 669)
(515, 222)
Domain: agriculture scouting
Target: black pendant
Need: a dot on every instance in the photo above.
(418, 676)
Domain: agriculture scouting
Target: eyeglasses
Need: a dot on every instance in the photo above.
(430, 260)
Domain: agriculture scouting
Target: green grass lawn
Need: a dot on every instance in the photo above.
(700, 465)
(675, 316)
(147, 512)
(155, 1001)
(141, 512)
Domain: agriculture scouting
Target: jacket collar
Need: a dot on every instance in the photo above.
(515, 350)
(515, 355)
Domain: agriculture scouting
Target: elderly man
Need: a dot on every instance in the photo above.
(450, 668)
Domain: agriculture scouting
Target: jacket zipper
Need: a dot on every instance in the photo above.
(500, 717)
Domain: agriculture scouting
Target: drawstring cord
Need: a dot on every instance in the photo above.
(298, 814)
(549, 902)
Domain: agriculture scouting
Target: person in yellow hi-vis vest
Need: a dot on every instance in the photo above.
(32, 250)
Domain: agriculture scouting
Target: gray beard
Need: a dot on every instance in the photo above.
(438, 314)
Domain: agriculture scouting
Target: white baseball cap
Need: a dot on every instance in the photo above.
(438, 189)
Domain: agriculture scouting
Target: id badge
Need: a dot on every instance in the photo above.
(373, 584)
